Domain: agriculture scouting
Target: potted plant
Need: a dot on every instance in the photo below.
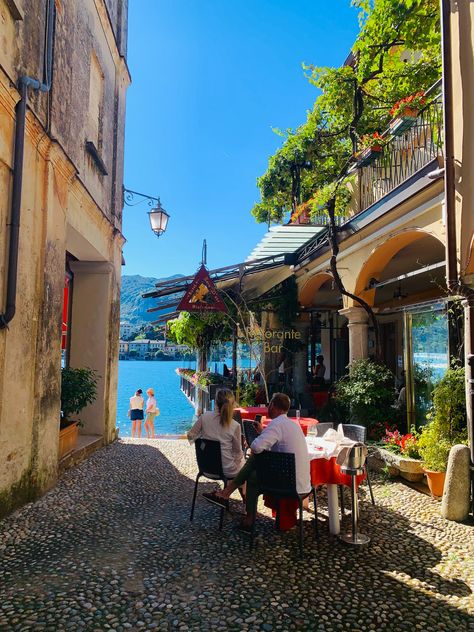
(446, 427)
(78, 389)
(366, 392)
(405, 112)
(434, 450)
(370, 148)
(399, 452)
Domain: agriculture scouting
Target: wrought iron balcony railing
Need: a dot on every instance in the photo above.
(405, 154)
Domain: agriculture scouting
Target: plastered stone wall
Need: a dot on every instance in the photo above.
(67, 206)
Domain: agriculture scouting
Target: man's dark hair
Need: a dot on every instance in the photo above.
(281, 401)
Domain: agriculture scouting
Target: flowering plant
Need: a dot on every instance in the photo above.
(378, 429)
(413, 102)
(406, 444)
(186, 372)
(372, 141)
(203, 378)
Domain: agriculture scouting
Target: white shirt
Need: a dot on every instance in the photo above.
(284, 435)
(151, 405)
(208, 426)
(136, 402)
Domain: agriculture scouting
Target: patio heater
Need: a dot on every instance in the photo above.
(355, 467)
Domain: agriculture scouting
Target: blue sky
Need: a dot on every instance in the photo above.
(210, 78)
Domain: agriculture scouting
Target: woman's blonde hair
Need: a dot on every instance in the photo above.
(150, 392)
(225, 402)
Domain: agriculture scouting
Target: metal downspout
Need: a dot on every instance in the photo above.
(19, 149)
(454, 283)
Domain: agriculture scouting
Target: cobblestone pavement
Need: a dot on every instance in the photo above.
(111, 547)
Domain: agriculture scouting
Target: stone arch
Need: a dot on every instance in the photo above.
(311, 286)
(380, 257)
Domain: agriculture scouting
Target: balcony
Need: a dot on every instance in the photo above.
(406, 154)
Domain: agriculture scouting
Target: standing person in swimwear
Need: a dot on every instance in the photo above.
(136, 413)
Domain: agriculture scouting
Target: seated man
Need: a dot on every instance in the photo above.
(281, 435)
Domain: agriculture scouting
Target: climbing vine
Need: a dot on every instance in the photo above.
(397, 53)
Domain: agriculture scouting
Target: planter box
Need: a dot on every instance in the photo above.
(368, 156)
(68, 440)
(409, 469)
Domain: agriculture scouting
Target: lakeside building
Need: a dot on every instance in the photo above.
(147, 349)
(63, 82)
(123, 349)
(126, 329)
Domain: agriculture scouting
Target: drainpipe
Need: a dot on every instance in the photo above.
(23, 84)
(453, 280)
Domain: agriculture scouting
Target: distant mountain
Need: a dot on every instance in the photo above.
(133, 308)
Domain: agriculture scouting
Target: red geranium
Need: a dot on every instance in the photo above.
(413, 102)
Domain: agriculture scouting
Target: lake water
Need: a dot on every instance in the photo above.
(176, 413)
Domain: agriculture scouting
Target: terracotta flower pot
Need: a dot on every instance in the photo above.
(435, 481)
(409, 113)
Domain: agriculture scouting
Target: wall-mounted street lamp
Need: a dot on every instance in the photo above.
(157, 215)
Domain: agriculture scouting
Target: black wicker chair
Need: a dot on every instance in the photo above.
(249, 433)
(359, 433)
(237, 416)
(209, 460)
(276, 476)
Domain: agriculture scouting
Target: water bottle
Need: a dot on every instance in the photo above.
(298, 414)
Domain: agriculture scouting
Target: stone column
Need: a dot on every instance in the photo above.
(90, 325)
(358, 325)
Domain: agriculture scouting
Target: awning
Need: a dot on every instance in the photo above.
(251, 277)
(284, 239)
(268, 265)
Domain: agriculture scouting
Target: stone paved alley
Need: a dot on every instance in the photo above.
(111, 547)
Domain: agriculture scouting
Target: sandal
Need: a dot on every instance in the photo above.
(213, 498)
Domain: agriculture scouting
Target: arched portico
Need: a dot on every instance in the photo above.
(408, 251)
(311, 286)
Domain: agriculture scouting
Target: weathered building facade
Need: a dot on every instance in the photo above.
(65, 60)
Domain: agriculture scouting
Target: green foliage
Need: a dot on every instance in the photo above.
(200, 330)
(78, 389)
(367, 391)
(396, 54)
(248, 394)
(433, 448)
(448, 420)
(328, 191)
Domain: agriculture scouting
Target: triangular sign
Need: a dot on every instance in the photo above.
(202, 295)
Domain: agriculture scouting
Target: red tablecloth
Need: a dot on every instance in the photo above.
(305, 423)
(323, 472)
(249, 412)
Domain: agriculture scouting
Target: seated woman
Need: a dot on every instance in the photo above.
(219, 425)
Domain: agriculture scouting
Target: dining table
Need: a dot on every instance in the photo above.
(324, 470)
(305, 423)
(249, 412)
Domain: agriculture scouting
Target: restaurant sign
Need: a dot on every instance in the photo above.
(202, 295)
